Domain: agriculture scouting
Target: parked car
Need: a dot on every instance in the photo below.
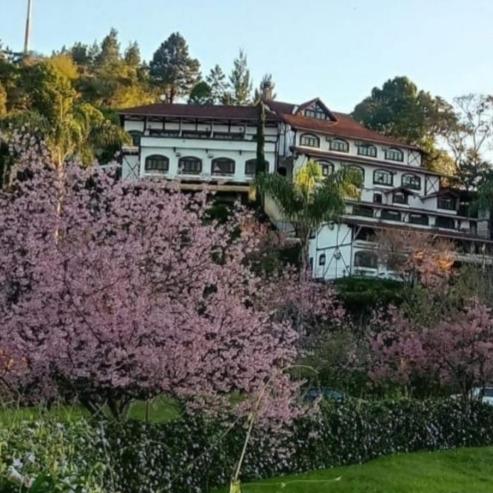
(485, 395)
(324, 393)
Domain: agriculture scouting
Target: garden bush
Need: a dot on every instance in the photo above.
(46, 455)
(195, 455)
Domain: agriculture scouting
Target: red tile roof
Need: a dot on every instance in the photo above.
(344, 126)
(222, 112)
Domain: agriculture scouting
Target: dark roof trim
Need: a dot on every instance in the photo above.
(430, 231)
(360, 160)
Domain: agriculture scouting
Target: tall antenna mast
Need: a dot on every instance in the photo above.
(28, 27)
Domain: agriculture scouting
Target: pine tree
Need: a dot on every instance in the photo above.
(200, 94)
(240, 81)
(173, 69)
(110, 49)
(132, 55)
(218, 85)
(265, 89)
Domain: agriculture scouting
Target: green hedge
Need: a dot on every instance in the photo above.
(192, 455)
(187, 456)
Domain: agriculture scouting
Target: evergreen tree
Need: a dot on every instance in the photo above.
(81, 54)
(132, 55)
(266, 89)
(240, 81)
(110, 49)
(200, 94)
(217, 84)
(173, 69)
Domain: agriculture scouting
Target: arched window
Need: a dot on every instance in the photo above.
(327, 167)
(367, 150)
(394, 154)
(223, 166)
(358, 171)
(339, 145)
(383, 177)
(136, 136)
(411, 181)
(190, 166)
(157, 164)
(365, 259)
(309, 140)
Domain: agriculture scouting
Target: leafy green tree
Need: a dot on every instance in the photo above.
(240, 81)
(309, 200)
(399, 109)
(81, 54)
(3, 100)
(200, 94)
(70, 127)
(218, 84)
(470, 138)
(172, 68)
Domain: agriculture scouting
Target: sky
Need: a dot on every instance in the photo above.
(337, 50)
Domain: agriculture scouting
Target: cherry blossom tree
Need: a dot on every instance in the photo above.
(456, 353)
(126, 292)
(416, 256)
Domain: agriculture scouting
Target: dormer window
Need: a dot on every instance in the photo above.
(383, 177)
(327, 167)
(309, 140)
(367, 150)
(316, 113)
(393, 154)
(339, 145)
(411, 181)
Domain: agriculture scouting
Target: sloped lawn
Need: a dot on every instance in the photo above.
(468, 470)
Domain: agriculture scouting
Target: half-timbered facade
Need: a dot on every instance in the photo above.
(217, 145)
(196, 144)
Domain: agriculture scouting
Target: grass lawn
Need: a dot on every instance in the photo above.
(467, 470)
(159, 410)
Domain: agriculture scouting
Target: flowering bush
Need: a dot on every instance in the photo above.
(455, 353)
(47, 455)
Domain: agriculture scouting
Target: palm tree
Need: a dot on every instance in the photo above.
(310, 199)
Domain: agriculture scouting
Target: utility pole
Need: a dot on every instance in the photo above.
(28, 27)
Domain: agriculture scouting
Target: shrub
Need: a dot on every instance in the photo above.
(195, 455)
(46, 455)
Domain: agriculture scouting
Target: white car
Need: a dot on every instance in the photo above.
(486, 394)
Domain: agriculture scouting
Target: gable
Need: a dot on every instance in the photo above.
(315, 109)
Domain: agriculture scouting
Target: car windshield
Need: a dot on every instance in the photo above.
(488, 392)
